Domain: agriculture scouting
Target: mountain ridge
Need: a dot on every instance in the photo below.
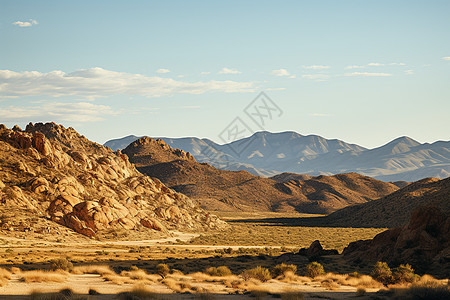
(267, 154)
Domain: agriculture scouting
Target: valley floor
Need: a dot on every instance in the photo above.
(251, 241)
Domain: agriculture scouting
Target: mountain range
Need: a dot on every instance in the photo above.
(267, 154)
(217, 189)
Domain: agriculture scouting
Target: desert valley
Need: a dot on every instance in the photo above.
(208, 150)
(150, 221)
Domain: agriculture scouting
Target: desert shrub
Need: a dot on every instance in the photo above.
(431, 290)
(61, 264)
(314, 269)
(42, 276)
(282, 268)
(403, 274)
(260, 273)
(219, 271)
(93, 269)
(382, 273)
(162, 270)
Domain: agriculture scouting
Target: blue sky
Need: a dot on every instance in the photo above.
(365, 72)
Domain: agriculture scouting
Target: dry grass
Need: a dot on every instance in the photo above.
(139, 291)
(354, 280)
(93, 269)
(178, 286)
(261, 234)
(5, 275)
(43, 276)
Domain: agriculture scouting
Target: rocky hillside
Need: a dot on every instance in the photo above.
(239, 190)
(59, 175)
(423, 243)
(395, 209)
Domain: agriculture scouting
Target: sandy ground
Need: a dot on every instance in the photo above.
(81, 284)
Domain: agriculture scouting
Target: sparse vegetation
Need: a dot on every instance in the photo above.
(219, 271)
(43, 276)
(382, 273)
(404, 274)
(162, 270)
(283, 268)
(314, 269)
(61, 264)
(259, 273)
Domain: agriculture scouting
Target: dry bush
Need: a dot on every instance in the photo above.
(93, 269)
(259, 273)
(162, 270)
(426, 290)
(219, 271)
(61, 264)
(139, 292)
(382, 273)
(404, 274)
(5, 275)
(282, 268)
(137, 274)
(353, 279)
(177, 286)
(329, 284)
(43, 276)
(290, 277)
(117, 279)
(314, 269)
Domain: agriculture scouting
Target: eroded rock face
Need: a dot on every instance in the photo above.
(424, 243)
(85, 186)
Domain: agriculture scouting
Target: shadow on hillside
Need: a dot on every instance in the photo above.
(293, 222)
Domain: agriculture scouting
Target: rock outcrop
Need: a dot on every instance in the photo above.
(316, 250)
(59, 174)
(423, 243)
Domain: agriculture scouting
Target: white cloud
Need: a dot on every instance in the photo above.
(229, 71)
(98, 82)
(446, 58)
(354, 67)
(316, 67)
(320, 115)
(368, 74)
(275, 89)
(281, 72)
(73, 112)
(409, 72)
(162, 71)
(316, 76)
(25, 23)
(205, 73)
(375, 64)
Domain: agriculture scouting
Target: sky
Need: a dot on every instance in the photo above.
(365, 72)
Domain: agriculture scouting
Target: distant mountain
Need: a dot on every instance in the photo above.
(267, 154)
(217, 189)
(395, 209)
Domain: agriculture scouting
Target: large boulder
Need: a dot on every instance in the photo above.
(423, 243)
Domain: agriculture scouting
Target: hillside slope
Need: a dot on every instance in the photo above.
(56, 173)
(395, 209)
(239, 190)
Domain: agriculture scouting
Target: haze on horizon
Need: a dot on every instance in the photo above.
(361, 72)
